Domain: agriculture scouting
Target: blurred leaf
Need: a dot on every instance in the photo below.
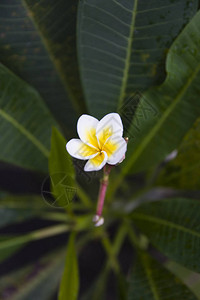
(162, 118)
(36, 281)
(184, 171)
(35, 203)
(122, 47)
(25, 124)
(9, 216)
(122, 286)
(61, 170)
(97, 289)
(150, 281)
(172, 225)
(69, 285)
(190, 278)
(15, 209)
(6, 253)
(37, 40)
(10, 243)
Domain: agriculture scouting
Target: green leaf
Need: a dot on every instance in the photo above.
(15, 209)
(184, 171)
(25, 124)
(61, 171)
(8, 242)
(36, 281)
(122, 47)
(6, 253)
(60, 40)
(97, 289)
(37, 41)
(69, 285)
(24, 203)
(172, 225)
(190, 278)
(162, 118)
(9, 216)
(151, 281)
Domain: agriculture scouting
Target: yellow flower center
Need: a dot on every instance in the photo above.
(102, 143)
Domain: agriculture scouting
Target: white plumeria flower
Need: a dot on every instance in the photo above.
(100, 142)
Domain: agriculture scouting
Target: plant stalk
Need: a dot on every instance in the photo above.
(98, 219)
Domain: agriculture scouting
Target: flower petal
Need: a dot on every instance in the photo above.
(110, 125)
(96, 163)
(78, 149)
(115, 147)
(86, 128)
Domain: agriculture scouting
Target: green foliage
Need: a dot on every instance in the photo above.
(122, 47)
(69, 285)
(41, 281)
(16, 209)
(38, 41)
(23, 203)
(154, 135)
(184, 171)
(25, 124)
(60, 40)
(6, 253)
(151, 281)
(172, 225)
(61, 171)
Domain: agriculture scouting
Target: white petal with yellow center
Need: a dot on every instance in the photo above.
(78, 149)
(96, 163)
(110, 125)
(115, 147)
(86, 128)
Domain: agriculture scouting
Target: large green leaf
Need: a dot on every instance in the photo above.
(25, 124)
(122, 46)
(69, 285)
(36, 281)
(151, 281)
(167, 112)
(61, 171)
(172, 225)
(184, 171)
(37, 40)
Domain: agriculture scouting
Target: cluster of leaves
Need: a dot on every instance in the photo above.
(142, 59)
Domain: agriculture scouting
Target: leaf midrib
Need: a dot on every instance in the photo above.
(78, 107)
(25, 132)
(128, 55)
(166, 223)
(151, 135)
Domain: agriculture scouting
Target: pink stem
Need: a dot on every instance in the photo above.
(102, 190)
(102, 193)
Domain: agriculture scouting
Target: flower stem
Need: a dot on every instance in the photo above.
(102, 194)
